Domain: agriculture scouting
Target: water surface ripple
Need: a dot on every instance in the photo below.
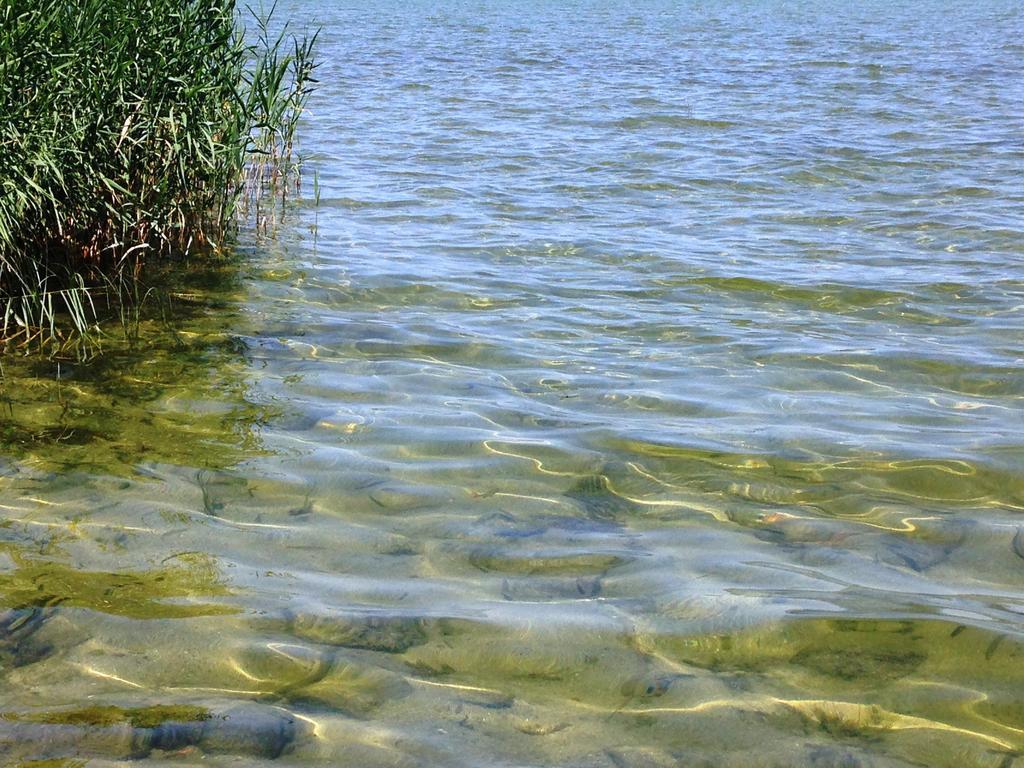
(644, 390)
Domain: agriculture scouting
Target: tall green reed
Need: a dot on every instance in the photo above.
(131, 129)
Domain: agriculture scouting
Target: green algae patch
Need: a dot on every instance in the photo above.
(105, 716)
(134, 594)
(835, 487)
(598, 499)
(544, 562)
(374, 632)
(853, 664)
(180, 397)
(839, 724)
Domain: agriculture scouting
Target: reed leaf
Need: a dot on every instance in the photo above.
(131, 130)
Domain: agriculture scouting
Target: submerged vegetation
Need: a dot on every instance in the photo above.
(131, 129)
(158, 593)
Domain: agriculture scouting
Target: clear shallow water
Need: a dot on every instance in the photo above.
(645, 390)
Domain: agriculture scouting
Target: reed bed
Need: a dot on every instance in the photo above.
(132, 129)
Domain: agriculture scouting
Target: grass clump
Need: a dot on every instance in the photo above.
(131, 129)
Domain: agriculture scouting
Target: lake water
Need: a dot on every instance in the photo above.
(644, 389)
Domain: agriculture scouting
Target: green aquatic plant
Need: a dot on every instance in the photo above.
(152, 594)
(846, 722)
(184, 398)
(104, 715)
(382, 632)
(131, 129)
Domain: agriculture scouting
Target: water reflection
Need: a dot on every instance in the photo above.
(180, 395)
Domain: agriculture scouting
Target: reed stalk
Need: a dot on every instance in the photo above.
(132, 129)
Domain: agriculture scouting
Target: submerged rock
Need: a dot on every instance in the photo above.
(648, 685)
(247, 730)
(532, 661)
(277, 668)
(388, 633)
(925, 548)
(545, 562)
(819, 756)
(18, 644)
(918, 549)
(21, 741)
(642, 757)
(537, 727)
(552, 588)
(392, 497)
(595, 495)
(354, 688)
(250, 729)
(218, 488)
